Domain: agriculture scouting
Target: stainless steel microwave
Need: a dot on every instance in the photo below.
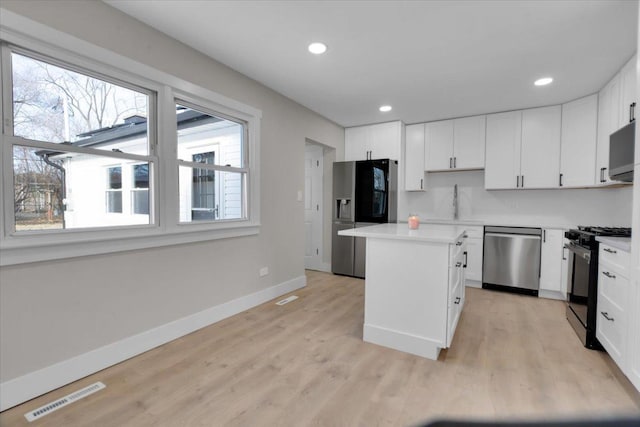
(621, 153)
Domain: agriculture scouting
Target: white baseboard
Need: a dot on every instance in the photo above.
(552, 295)
(324, 267)
(413, 344)
(473, 283)
(19, 390)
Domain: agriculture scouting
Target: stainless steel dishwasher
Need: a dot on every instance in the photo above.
(512, 259)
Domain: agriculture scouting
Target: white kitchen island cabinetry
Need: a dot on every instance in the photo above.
(415, 286)
(414, 158)
(379, 141)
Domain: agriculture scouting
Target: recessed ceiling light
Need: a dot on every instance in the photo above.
(317, 48)
(385, 108)
(543, 81)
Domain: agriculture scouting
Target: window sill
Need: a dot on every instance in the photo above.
(19, 250)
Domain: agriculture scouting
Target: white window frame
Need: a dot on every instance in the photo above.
(24, 247)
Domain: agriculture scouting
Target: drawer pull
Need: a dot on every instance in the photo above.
(609, 275)
(458, 243)
(457, 301)
(606, 316)
(459, 264)
(611, 251)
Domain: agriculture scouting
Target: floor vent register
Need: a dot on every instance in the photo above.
(64, 401)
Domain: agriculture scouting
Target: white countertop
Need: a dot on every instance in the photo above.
(437, 233)
(622, 243)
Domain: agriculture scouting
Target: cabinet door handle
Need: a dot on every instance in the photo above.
(611, 251)
(606, 316)
(454, 162)
(561, 180)
(609, 275)
(450, 162)
(465, 260)
(421, 179)
(544, 236)
(632, 111)
(518, 181)
(458, 243)
(457, 301)
(602, 175)
(522, 180)
(564, 258)
(459, 264)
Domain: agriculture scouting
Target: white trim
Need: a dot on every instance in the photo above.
(33, 384)
(319, 266)
(543, 293)
(473, 284)
(402, 341)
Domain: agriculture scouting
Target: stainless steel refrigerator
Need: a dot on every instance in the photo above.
(364, 193)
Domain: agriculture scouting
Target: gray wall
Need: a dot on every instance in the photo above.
(73, 306)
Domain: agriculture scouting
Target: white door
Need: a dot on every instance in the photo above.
(502, 162)
(579, 134)
(540, 155)
(469, 142)
(313, 206)
(439, 137)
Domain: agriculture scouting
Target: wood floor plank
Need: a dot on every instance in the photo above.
(305, 363)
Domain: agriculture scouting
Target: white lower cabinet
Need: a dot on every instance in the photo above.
(456, 292)
(474, 256)
(552, 284)
(613, 303)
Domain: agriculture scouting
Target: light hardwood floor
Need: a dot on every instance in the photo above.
(305, 363)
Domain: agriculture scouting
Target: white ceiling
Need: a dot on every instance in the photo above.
(428, 59)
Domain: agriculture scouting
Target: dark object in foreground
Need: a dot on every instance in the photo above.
(622, 422)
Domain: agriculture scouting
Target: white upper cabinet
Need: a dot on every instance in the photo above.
(579, 134)
(439, 145)
(379, 141)
(627, 92)
(414, 158)
(469, 142)
(455, 144)
(540, 155)
(502, 162)
(608, 122)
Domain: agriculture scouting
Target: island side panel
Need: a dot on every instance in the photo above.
(406, 295)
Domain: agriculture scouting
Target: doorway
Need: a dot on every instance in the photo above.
(313, 206)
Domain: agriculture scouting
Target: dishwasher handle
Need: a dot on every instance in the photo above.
(513, 236)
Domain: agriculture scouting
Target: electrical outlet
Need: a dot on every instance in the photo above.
(264, 271)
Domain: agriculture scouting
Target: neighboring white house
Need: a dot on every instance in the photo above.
(102, 191)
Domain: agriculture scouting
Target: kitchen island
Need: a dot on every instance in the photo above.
(414, 287)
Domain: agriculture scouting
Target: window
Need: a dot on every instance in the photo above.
(92, 149)
(140, 191)
(72, 126)
(211, 152)
(114, 189)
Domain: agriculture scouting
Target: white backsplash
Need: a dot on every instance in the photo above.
(562, 207)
